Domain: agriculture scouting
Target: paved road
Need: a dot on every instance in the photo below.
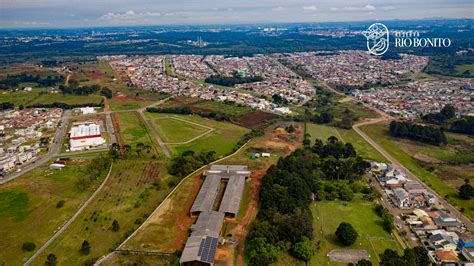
(73, 218)
(469, 224)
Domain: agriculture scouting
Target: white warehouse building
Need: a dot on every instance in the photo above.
(85, 135)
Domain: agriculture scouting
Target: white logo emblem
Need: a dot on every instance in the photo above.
(377, 38)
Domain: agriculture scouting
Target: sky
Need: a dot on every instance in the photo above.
(92, 13)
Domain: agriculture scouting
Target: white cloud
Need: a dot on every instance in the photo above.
(278, 8)
(388, 8)
(334, 9)
(129, 15)
(370, 8)
(310, 8)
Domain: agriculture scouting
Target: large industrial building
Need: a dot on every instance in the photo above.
(85, 135)
(225, 180)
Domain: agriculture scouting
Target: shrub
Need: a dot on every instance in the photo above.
(28, 246)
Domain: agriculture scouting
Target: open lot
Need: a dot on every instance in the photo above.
(241, 115)
(133, 130)
(21, 97)
(134, 189)
(327, 215)
(363, 148)
(433, 164)
(174, 130)
(29, 211)
(67, 99)
(222, 139)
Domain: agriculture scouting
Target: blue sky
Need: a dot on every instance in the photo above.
(84, 13)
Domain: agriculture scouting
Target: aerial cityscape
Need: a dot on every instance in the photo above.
(236, 133)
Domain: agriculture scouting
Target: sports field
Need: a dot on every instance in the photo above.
(174, 130)
(441, 175)
(29, 209)
(222, 139)
(363, 148)
(327, 215)
(133, 191)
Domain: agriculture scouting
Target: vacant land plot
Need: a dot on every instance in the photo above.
(431, 163)
(363, 148)
(67, 99)
(174, 130)
(327, 215)
(230, 109)
(31, 208)
(133, 130)
(358, 109)
(167, 229)
(255, 119)
(21, 97)
(134, 189)
(222, 139)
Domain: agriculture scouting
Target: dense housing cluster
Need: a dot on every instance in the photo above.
(24, 133)
(441, 233)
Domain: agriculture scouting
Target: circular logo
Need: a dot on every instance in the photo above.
(377, 38)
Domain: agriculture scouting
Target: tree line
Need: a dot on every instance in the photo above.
(409, 130)
(12, 81)
(7, 106)
(447, 119)
(231, 81)
(79, 90)
(218, 116)
(284, 220)
(65, 105)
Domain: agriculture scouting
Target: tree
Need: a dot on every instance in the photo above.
(51, 260)
(140, 147)
(28, 246)
(261, 252)
(364, 262)
(390, 258)
(346, 234)
(466, 191)
(85, 248)
(106, 92)
(115, 226)
(303, 250)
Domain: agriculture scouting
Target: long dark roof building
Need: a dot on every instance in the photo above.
(201, 246)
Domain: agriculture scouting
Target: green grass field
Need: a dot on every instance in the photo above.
(133, 191)
(28, 211)
(67, 99)
(222, 139)
(359, 110)
(461, 68)
(230, 109)
(21, 97)
(133, 130)
(444, 179)
(327, 215)
(173, 130)
(363, 148)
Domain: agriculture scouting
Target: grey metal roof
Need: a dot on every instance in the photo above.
(202, 244)
(233, 195)
(205, 199)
